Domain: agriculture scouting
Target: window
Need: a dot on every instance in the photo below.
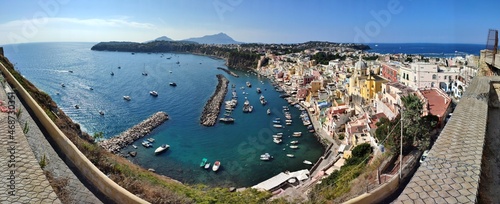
(444, 76)
(434, 76)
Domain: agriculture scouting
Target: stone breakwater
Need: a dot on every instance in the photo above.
(212, 108)
(228, 71)
(115, 144)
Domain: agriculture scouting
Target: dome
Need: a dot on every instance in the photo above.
(360, 65)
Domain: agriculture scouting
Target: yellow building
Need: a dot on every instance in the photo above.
(372, 86)
(363, 83)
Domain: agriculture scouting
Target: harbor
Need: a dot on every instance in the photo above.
(115, 144)
(211, 111)
(237, 145)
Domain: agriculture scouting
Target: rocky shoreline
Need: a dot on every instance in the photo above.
(115, 144)
(228, 71)
(212, 108)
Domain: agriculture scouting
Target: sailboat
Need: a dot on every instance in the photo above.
(144, 73)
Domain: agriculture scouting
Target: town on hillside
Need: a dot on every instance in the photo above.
(351, 93)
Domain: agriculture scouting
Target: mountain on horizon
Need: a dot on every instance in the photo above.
(163, 38)
(220, 38)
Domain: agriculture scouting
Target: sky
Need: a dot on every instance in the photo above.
(263, 21)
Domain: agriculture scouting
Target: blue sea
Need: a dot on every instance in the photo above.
(237, 146)
(427, 49)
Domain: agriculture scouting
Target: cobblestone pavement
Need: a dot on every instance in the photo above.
(450, 173)
(22, 179)
(40, 147)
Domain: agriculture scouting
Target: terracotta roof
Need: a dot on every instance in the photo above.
(438, 101)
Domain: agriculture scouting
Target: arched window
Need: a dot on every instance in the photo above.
(434, 76)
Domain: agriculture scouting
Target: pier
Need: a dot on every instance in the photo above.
(228, 71)
(212, 108)
(140, 130)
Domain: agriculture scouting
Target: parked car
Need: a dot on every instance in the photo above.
(424, 155)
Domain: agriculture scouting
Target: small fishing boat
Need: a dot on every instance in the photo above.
(277, 140)
(216, 166)
(268, 111)
(277, 126)
(203, 162)
(62, 85)
(207, 165)
(77, 106)
(101, 112)
(290, 155)
(249, 84)
(294, 142)
(135, 147)
(151, 140)
(294, 146)
(127, 98)
(153, 93)
(172, 84)
(307, 162)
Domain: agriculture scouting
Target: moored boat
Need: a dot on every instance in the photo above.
(127, 98)
(162, 148)
(294, 142)
(153, 93)
(151, 140)
(216, 166)
(307, 162)
(265, 157)
(277, 126)
(277, 140)
(207, 165)
(258, 90)
(203, 162)
(290, 155)
(135, 147)
(268, 111)
(294, 146)
(249, 84)
(146, 144)
(297, 134)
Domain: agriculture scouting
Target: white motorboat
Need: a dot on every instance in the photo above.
(153, 93)
(146, 144)
(151, 140)
(290, 155)
(294, 146)
(277, 136)
(135, 147)
(307, 162)
(277, 126)
(266, 157)
(162, 148)
(216, 166)
(297, 134)
(127, 98)
(277, 140)
(268, 111)
(294, 142)
(207, 165)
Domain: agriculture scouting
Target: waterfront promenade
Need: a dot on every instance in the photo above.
(23, 180)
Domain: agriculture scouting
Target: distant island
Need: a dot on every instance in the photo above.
(240, 56)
